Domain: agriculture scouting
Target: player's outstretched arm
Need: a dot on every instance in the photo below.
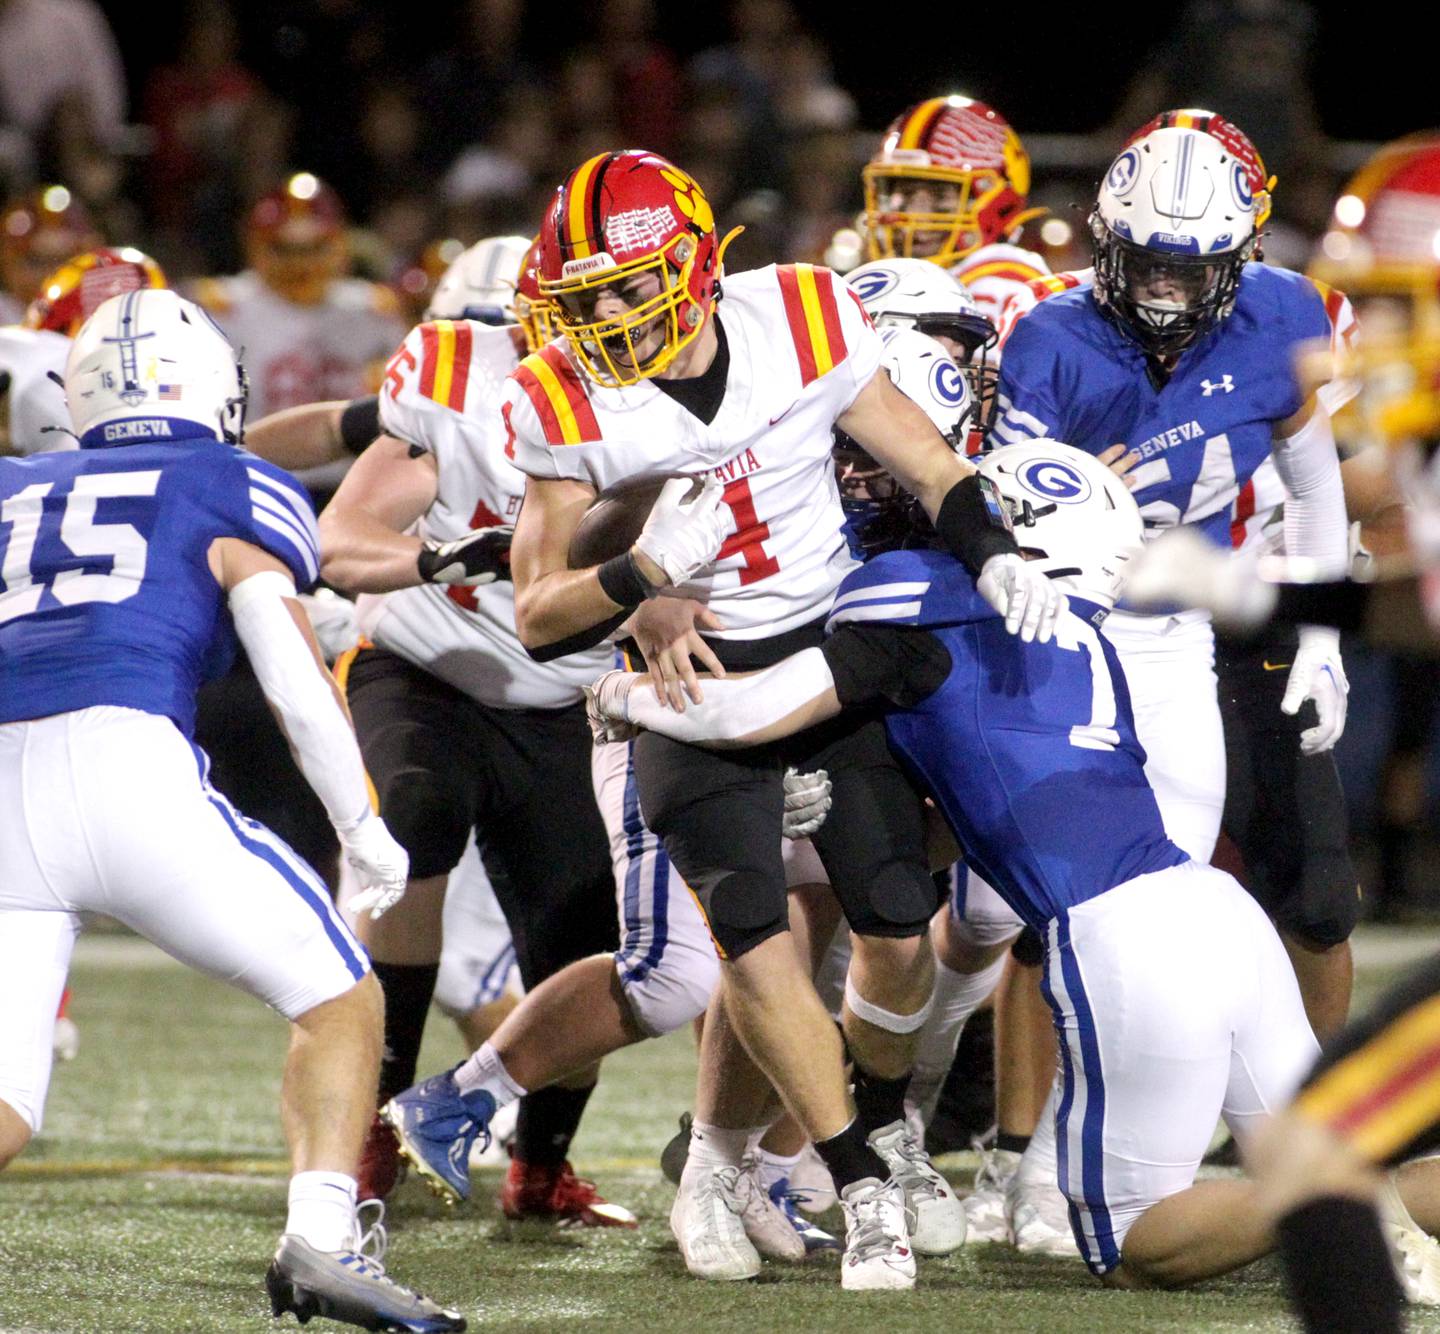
(276, 633)
(314, 434)
(745, 710)
(364, 547)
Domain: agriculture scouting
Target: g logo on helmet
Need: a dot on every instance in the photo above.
(875, 282)
(947, 383)
(1054, 480)
(1123, 173)
(1240, 184)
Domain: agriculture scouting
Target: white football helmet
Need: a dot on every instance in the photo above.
(147, 362)
(1069, 511)
(1172, 228)
(916, 294)
(480, 283)
(930, 377)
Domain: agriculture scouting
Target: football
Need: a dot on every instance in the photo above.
(615, 518)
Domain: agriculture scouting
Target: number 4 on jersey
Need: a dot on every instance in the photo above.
(750, 532)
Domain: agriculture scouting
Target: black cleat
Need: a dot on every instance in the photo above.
(349, 1287)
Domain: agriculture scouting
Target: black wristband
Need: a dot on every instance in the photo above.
(360, 423)
(972, 524)
(622, 582)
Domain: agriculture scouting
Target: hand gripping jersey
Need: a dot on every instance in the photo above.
(994, 273)
(1069, 373)
(105, 594)
(801, 349)
(1029, 749)
(305, 354)
(33, 400)
(441, 394)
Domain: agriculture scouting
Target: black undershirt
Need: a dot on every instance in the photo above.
(891, 664)
(701, 395)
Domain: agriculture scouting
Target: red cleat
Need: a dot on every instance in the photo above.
(381, 1166)
(558, 1195)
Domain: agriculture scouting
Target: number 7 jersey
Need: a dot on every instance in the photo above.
(801, 349)
(106, 594)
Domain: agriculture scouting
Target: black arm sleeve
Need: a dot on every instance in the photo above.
(1339, 602)
(896, 665)
(360, 423)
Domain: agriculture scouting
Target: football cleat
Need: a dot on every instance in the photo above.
(676, 1151)
(436, 1126)
(985, 1205)
(766, 1224)
(1414, 1254)
(1039, 1218)
(381, 1168)
(939, 1218)
(787, 1201)
(556, 1194)
(877, 1237)
(350, 1287)
(706, 1222)
(65, 1041)
(811, 1183)
(502, 1135)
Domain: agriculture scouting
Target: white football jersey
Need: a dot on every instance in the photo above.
(801, 349)
(33, 400)
(994, 273)
(305, 354)
(442, 394)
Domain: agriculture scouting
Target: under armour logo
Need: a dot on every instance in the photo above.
(1226, 383)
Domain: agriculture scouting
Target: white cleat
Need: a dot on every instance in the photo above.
(985, 1205)
(706, 1221)
(1413, 1251)
(939, 1217)
(765, 1223)
(495, 1152)
(812, 1184)
(66, 1040)
(1039, 1218)
(877, 1238)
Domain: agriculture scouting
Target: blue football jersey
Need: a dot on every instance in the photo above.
(1070, 374)
(105, 593)
(1028, 749)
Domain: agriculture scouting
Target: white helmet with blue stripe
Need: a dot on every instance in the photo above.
(1070, 512)
(480, 283)
(150, 366)
(1173, 226)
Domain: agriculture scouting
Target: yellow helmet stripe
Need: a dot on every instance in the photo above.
(576, 212)
(919, 121)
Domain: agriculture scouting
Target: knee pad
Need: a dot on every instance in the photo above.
(1029, 948)
(744, 909)
(899, 902)
(1321, 925)
(425, 821)
(671, 994)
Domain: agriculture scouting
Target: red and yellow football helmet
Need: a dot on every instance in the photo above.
(1232, 137)
(295, 239)
(640, 227)
(69, 296)
(535, 311)
(39, 232)
(949, 176)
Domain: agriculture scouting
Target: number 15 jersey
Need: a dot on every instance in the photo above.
(801, 349)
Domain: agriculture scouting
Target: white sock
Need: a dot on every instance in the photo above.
(485, 1070)
(322, 1210)
(956, 997)
(1039, 1163)
(716, 1146)
(773, 1167)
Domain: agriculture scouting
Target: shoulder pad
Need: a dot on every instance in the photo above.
(559, 395)
(812, 311)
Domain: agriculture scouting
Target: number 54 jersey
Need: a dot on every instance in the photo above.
(801, 349)
(106, 596)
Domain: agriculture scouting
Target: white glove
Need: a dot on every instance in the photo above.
(1023, 595)
(686, 528)
(807, 801)
(381, 865)
(1317, 673)
(1181, 568)
(333, 620)
(605, 707)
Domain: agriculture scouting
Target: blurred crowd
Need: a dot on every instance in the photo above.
(436, 129)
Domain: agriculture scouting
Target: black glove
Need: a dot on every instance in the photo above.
(480, 557)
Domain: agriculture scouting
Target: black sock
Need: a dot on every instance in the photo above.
(880, 1102)
(1337, 1266)
(1011, 1143)
(408, 988)
(850, 1158)
(547, 1122)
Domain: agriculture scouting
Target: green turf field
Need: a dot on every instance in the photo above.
(156, 1193)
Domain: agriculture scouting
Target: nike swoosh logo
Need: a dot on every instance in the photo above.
(1274, 666)
(784, 414)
